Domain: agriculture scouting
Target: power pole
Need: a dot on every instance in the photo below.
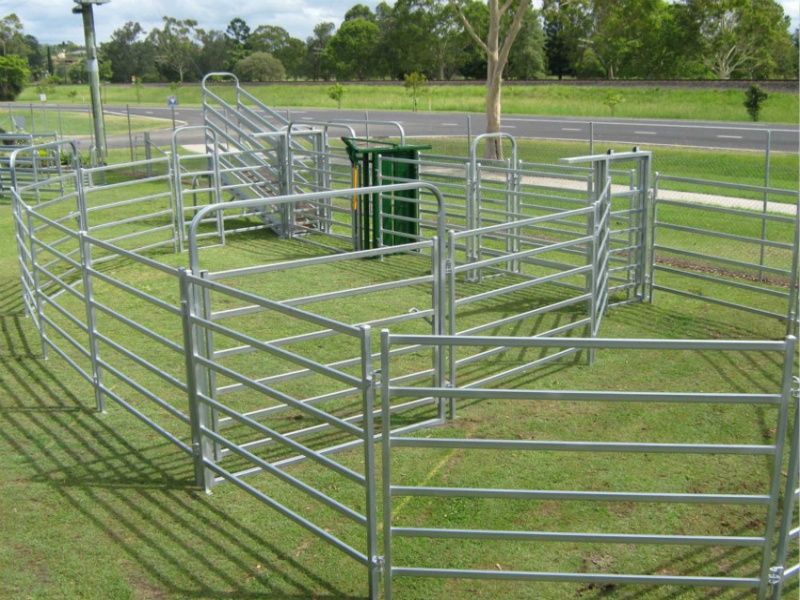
(85, 9)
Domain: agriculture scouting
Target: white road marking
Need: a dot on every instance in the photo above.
(571, 129)
(508, 126)
(730, 137)
(645, 132)
(307, 118)
(148, 112)
(449, 124)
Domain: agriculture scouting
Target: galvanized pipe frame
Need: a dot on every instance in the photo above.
(768, 575)
(120, 400)
(433, 245)
(792, 274)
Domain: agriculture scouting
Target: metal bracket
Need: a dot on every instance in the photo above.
(380, 564)
(775, 575)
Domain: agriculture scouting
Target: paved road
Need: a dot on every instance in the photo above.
(643, 132)
(744, 135)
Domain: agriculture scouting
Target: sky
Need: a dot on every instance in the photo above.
(51, 21)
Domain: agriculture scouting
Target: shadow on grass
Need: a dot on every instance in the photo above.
(174, 539)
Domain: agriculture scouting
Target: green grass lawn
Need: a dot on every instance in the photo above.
(555, 100)
(71, 124)
(102, 507)
(744, 167)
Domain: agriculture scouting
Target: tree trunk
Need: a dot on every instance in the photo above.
(494, 82)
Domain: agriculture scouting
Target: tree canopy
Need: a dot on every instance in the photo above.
(631, 39)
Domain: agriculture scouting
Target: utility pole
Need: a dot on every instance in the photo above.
(85, 9)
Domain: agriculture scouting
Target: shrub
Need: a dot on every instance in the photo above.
(260, 66)
(336, 92)
(14, 75)
(754, 98)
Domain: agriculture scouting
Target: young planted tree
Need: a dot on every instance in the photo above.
(505, 22)
(336, 93)
(754, 98)
(414, 82)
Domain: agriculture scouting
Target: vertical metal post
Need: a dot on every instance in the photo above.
(60, 124)
(789, 498)
(762, 249)
(386, 463)
(176, 194)
(207, 350)
(379, 208)
(368, 402)
(775, 481)
(652, 225)
(793, 313)
(437, 325)
(91, 320)
(148, 155)
(591, 137)
(450, 291)
(643, 212)
(201, 448)
(366, 124)
(469, 131)
(593, 277)
(130, 132)
(37, 288)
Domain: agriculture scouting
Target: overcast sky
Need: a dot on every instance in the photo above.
(51, 21)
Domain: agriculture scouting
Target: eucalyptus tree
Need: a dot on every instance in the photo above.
(505, 22)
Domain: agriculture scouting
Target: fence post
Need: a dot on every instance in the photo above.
(762, 250)
(386, 464)
(148, 155)
(37, 288)
(789, 498)
(591, 137)
(202, 449)
(130, 132)
(593, 277)
(91, 319)
(643, 225)
(775, 479)
(370, 474)
(450, 290)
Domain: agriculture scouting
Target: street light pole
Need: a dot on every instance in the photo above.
(85, 9)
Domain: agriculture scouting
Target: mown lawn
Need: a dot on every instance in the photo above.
(99, 506)
(554, 100)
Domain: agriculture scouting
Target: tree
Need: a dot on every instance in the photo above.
(353, 49)
(527, 57)
(130, 56)
(176, 47)
(336, 93)
(742, 38)
(77, 72)
(414, 82)
(567, 24)
(260, 66)
(419, 35)
(316, 63)
(754, 98)
(277, 41)
(238, 31)
(497, 47)
(14, 75)
(359, 11)
(215, 51)
(12, 41)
